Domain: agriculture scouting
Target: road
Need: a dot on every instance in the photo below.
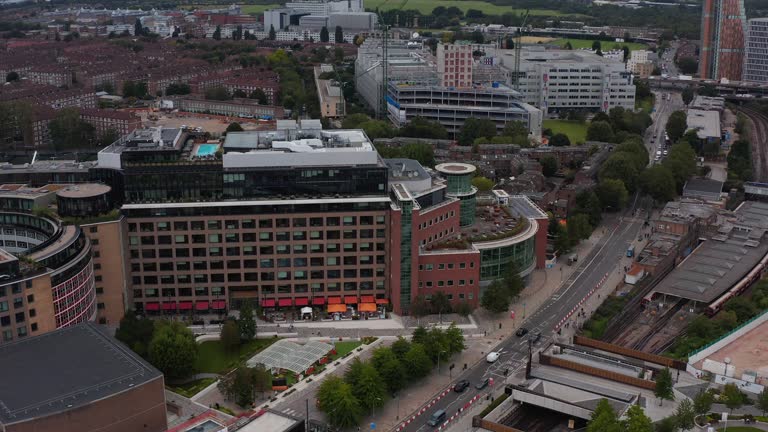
(667, 61)
(654, 136)
(602, 260)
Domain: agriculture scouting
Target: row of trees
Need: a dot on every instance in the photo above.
(69, 131)
(368, 385)
(618, 125)
(222, 94)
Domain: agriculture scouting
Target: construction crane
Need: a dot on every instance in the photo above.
(384, 27)
(518, 49)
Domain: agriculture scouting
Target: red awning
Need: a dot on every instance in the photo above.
(201, 305)
(268, 303)
(367, 299)
(152, 306)
(301, 301)
(284, 302)
(350, 299)
(334, 300)
(169, 306)
(318, 301)
(367, 307)
(382, 301)
(219, 304)
(185, 305)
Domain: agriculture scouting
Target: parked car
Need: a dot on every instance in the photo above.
(483, 384)
(522, 331)
(461, 386)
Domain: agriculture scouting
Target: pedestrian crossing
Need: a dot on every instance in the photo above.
(291, 412)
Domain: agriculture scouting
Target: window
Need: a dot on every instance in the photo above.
(31, 298)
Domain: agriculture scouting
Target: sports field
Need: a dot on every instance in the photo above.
(605, 45)
(246, 9)
(426, 6)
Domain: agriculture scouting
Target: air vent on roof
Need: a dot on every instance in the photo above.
(751, 243)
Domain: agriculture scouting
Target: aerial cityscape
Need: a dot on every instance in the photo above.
(364, 215)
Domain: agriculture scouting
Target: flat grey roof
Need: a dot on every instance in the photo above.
(523, 206)
(706, 123)
(704, 185)
(66, 369)
(713, 268)
(405, 169)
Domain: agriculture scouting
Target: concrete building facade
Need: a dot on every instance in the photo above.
(756, 51)
(554, 80)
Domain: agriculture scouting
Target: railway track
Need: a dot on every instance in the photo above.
(758, 139)
(658, 325)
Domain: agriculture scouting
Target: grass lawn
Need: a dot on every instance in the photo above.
(426, 6)
(212, 358)
(605, 45)
(246, 9)
(342, 348)
(192, 388)
(576, 131)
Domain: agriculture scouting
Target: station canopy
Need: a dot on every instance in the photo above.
(288, 355)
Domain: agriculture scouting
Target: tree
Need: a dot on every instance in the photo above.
(173, 350)
(668, 424)
(474, 128)
(658, 182)
(378, 129)
(687, 95)
(600, 131)
(604, 419)
(272, 34)
(339, 35)
(681, 162)
(439, 303)
(419, 335)
(740, 160)
(495, 298)
(389, 367)
(612, 194)
(417, 362)
(637, 421)
(138, 29)
(702, 402)
(549, 165)
(517, 132)
(246, 323)
(241, 384)
(620, 166)
(259, 95)
(687, 65)
(560, 140)
(177, 89)
(419, 307)
(685, 415)
(135, 332)
(324, 37)
(419, 127)
(483, 184)
(568, 45)
(596, 46)
(108, 137)
(762, 401)
(69, 131)
(340, 405)
(218, 93)
(400, 347)
(732, 397)
(12, 76)
(234, 127)
(369, 388)
(588, 203)
(455, 339)
(512, 281)
(676, 125)
(626, 51)
(664, 384)
(217, 33)
(463, 308)
(578, 228)
(230, 335)
(239, 94)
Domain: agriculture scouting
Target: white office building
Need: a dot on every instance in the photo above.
(756, 51)
(554, 80)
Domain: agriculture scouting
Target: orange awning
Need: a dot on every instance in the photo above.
(337, 308)
(367, 307)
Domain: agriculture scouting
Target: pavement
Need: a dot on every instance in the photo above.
(546, 308)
